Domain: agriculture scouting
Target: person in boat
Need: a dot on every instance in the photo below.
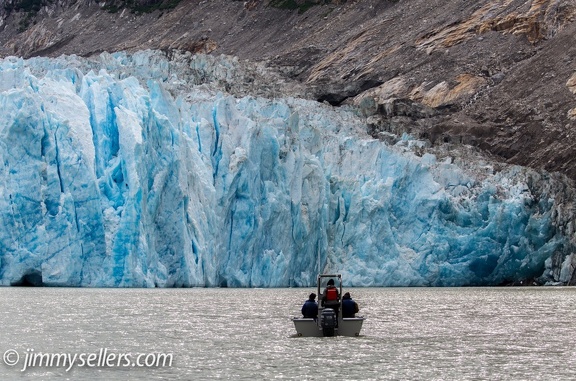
(310, 307)
(331, 297)
(349, 306)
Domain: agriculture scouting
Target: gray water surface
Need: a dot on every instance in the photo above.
(246, 334)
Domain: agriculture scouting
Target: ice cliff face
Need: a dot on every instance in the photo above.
(137, 170)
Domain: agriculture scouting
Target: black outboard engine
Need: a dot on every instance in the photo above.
(328, 321)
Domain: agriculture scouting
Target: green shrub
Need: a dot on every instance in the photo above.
(292, 5)
(139, 6)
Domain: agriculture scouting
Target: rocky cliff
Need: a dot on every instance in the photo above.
(496, 74)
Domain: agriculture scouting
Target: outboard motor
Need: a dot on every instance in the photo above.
(328, 321)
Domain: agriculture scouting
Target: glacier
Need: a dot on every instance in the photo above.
(148, 170)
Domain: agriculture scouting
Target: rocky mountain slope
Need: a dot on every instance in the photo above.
(496, 74)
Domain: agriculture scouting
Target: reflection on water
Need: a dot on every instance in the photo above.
(410, 333)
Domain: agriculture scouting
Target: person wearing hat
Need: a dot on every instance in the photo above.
(349, 306)
(310, 307)
(331, 297)
(330, 294)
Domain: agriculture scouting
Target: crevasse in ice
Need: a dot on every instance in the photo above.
(137, 171)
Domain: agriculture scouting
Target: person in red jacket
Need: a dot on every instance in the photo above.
(331, 297)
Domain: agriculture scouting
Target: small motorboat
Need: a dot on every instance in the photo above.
(328, 323)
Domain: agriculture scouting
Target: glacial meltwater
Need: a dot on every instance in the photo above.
(246, 334)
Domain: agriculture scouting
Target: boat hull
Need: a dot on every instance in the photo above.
(306, 327)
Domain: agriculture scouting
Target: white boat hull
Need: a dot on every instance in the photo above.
(307, 327)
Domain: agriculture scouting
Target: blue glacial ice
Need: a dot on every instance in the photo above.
(140, 171)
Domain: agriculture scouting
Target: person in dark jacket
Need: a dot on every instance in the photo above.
(349, 306)
(310, 307)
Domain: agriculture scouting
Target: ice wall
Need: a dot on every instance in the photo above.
(136, 170)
